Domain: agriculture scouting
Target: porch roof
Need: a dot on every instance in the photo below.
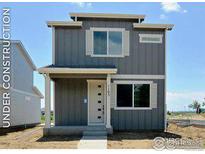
(52, 69)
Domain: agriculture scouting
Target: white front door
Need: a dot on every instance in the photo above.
(96, 104)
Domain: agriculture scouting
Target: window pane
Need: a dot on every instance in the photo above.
(124, 95)
(141, 95)
(100, 43)
(115, 43)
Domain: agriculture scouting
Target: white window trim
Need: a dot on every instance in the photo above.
(93, 29)
(133, 83)
(160, 36)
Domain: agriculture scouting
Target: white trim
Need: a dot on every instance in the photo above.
(107, 30)
(88, 108)
(132, 83)
(107, 15)
(117, 56)
(53, 45)
(95, 80)
(54, 113)
(108, 94)
(159, 36)
(47, 101)
(130, 76)
(57, 70)
(165, 84)
(153, 26)
(64, 23)
(88, 97)
(132, 108)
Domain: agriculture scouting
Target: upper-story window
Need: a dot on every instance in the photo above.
(107, 42)
(150, 38)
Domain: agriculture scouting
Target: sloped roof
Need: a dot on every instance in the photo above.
(23, 51)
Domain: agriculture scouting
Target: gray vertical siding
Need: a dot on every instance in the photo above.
(141, 119)
(71, 111)
(145, 58)
(69, 106)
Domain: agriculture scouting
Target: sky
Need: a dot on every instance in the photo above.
(185, 44)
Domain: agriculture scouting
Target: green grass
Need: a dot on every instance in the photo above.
(43, 118)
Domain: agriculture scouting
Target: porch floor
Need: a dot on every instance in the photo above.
(69, 130)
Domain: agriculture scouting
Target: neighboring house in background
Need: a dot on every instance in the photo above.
(25, 98)
(108, 70)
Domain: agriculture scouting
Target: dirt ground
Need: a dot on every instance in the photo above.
(192, 116)
(144, 140)
(32, 138)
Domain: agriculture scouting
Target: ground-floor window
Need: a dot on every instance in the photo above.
(133, 95)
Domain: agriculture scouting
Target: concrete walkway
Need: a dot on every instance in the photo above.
(93, 142)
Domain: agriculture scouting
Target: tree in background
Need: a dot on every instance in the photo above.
(197, 106)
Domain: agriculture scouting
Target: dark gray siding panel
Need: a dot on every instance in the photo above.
(141, 119)
(70, 110)
(145, 58)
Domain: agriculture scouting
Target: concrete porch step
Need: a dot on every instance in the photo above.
(96, 128)
(95, 133)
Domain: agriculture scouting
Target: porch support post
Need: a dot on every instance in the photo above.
(47, 101)
(108, 125)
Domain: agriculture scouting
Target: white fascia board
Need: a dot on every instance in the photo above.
(77, 70)
(153, 26)
(106, 15)
(133, 76)
(64, 23)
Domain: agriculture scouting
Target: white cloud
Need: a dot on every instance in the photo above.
(83, 4)
(181, 100)
(172, 7)
(162, 16)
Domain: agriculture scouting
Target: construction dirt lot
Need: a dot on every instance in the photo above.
(31, 138)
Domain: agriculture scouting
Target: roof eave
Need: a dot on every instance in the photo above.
(44, 70)
(106, 16)
(24, 52)
(154, 26)
(64, 23)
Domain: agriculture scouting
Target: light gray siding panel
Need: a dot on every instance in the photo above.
(69, 105)
(141, 119)
(25, 109)
(144, 58)
(22, 73)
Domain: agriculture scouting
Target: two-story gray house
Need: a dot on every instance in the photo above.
(24, 101)
(109, 70)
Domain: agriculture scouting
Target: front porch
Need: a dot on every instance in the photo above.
(70, 130)
(97, 108)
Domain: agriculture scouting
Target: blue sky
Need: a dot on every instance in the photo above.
(186, 42)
